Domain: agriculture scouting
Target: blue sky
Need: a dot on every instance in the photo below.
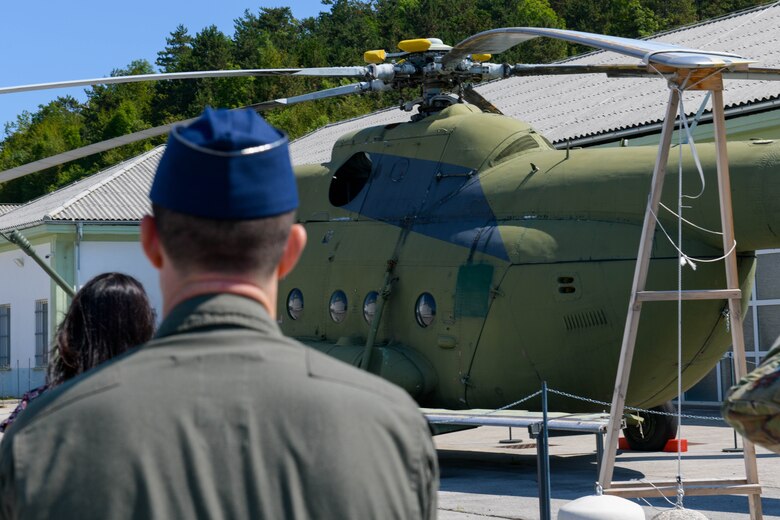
(53, 40)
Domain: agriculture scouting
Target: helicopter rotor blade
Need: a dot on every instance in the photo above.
(523, 69)
(110, 144)
(327, 72)
(754, 73)
(344, 90)
(629, 71)
(84, 151)
(496, 41)
(477, 99)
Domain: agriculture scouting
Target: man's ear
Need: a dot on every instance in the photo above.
(296, 241)
(150, 241)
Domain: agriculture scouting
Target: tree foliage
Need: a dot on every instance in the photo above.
(274, 38)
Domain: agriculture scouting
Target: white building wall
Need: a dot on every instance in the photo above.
(22, 283)
(94, 258)
(21, 286)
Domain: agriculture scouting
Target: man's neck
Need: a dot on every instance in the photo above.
(175, 292)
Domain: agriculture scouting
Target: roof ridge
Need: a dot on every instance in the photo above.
(121, 169)
(701, 23)
(650, 37)
(344, 121)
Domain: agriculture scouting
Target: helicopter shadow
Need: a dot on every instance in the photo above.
(571, 477)
(513, 474)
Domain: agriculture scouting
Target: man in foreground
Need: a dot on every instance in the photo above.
(220, 416)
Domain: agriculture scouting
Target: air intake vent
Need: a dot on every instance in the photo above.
(585, 320)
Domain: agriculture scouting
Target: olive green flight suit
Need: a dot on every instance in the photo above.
(220, 416)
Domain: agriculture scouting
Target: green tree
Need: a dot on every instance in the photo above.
(707, 9)
(116, 110)
(172, 97)
(55, 128)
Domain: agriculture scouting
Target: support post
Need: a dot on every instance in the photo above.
(543, 463)
(635, 304)
(732, 280)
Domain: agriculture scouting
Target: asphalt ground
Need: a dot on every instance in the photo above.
(482, 478)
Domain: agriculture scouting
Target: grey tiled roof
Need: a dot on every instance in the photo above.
(114, 195)
(316, 147)
(568, 107)
(5, 208)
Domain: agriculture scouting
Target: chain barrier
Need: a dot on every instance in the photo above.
(634, 409)
(603, 403)
(510, 405)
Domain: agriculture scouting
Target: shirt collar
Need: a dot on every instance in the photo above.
(217, 310)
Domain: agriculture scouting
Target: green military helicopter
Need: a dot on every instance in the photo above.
(462, 257)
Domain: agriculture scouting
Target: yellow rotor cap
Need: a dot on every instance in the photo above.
(377, 56)
(479, 58)
(417, 45)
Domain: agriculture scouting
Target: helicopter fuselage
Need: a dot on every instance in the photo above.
(505, 262)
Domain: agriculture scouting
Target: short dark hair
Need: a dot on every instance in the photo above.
(224, 246)
(108, 316)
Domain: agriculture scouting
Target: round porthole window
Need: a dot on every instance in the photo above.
(369, 306)
(338, 306)
(425, 310)
(295, 304)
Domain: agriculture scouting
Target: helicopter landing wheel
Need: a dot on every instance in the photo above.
(655, 430)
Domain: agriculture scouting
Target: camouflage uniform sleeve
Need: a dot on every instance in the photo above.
(752, 406)
(7, 487)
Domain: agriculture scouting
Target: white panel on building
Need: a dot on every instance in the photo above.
(94, 258)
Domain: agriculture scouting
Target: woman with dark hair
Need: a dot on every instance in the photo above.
(109, 315)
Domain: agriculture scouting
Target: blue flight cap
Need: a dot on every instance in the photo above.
(228, 165)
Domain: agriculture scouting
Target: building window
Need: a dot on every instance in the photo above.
(41, 333)
(5, 336)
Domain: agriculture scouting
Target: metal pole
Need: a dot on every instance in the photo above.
(599, 451)
(544, 462)
(380, 307)
(18, 239)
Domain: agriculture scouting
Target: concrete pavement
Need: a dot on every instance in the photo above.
(482, 478)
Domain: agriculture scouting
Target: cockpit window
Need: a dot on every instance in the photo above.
(350, 179)
(519, 145)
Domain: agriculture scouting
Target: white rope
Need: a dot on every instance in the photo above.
(681, 260)
(689, 222)
(657, 489)
(708, 76)
(690, 259)
(694, 152)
